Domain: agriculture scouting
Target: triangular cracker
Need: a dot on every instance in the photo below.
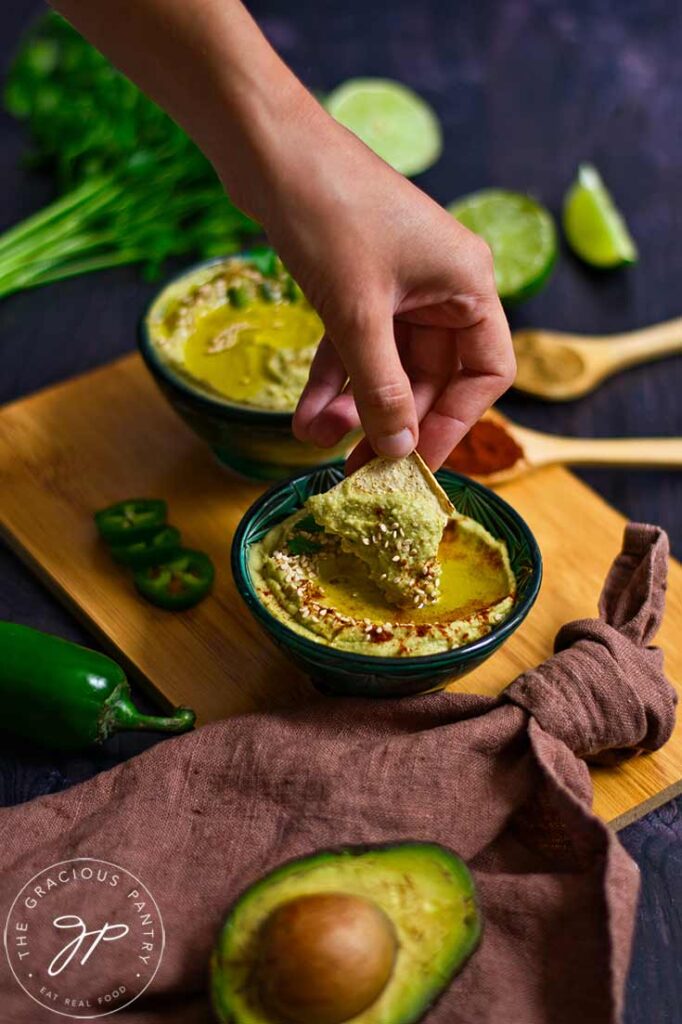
(391, 514)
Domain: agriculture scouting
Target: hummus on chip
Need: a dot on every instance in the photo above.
(383, 564)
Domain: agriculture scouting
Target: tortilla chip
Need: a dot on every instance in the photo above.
(390, 514)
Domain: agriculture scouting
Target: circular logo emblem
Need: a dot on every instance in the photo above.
(84, 938)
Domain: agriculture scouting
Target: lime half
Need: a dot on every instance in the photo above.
(391, 119)
(594, 228)
(519, 231)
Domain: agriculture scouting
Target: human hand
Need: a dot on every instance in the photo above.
(416, 344)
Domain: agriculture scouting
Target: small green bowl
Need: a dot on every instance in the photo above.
(253, 442)
(346, 674)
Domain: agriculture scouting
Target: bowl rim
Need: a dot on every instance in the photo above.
(371, 663)
(157, 366)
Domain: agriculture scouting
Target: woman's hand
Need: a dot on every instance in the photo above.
(417, 346)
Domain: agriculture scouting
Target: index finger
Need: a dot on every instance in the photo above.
(487, 368)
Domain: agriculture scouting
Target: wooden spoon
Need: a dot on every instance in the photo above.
(540, 449)
(558, 366)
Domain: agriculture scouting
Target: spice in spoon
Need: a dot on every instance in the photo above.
(488, 448)
(539, 363)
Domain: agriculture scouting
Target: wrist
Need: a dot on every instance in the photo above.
(269, 120)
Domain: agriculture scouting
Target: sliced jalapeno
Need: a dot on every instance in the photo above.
(267, 292)
(291, 290)
(157, 547)
(238, 296)
(178, 583)
(131, 519)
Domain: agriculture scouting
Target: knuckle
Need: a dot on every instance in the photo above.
(357, 313)
(471, 307)
(358, 321)
(509, 372)
(388, 397)
(482, 255)
(505, 373)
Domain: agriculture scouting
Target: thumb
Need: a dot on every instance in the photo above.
(381, 388)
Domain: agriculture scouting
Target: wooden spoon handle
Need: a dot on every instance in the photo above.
(646, 344)
(645, 451)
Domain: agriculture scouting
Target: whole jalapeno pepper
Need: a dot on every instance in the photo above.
(67, 697)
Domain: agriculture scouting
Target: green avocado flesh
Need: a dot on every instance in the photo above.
(425, 891)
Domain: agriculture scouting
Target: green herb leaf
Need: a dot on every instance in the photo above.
(302, 546)
(308, 525)
(264, 258)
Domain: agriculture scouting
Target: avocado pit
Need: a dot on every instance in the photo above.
(324, 958)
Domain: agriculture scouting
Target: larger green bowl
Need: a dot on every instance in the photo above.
(343, 673)
(253, 442)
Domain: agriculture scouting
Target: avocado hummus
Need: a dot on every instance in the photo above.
(240, 330)
(383, 564)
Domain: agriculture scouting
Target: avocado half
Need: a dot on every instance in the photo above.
(387, 925)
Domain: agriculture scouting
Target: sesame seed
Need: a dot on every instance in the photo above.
(365, 540)
(383, 527)
(396, 558)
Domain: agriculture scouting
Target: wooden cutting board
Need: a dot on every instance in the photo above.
(110, 435)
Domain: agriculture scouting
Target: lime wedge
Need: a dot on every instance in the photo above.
(519, 231)
(391, 119)
(594, 228)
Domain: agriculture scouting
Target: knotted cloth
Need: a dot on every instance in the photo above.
(500, 781)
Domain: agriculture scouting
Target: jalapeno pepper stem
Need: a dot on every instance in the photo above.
(119, 713)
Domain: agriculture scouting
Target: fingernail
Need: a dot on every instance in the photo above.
(395, 446)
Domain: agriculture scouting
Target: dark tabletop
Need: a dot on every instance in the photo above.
(525, 91)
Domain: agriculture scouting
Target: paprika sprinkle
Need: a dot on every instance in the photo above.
(488, 448)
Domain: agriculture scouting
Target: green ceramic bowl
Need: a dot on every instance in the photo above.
(343, 673)
(254, 442)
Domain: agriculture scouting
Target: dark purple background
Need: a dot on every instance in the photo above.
(525, 92)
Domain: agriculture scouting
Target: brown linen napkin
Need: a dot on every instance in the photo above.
(500, 781)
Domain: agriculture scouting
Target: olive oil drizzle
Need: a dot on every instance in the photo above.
(473, 579)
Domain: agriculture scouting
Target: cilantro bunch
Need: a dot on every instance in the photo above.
(135, 188)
